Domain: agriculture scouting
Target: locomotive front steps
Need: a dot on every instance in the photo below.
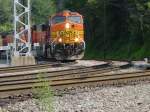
(22, 60)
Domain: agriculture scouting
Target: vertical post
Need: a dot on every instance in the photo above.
(7, 55)
(15, 15)
(29, 28)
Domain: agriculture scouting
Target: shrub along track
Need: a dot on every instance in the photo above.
(65, 80)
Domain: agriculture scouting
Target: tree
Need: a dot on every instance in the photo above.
(42, 10)
(6, 15)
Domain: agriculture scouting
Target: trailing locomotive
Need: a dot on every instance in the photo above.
(62, 38)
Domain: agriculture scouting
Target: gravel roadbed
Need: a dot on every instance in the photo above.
(128, 98)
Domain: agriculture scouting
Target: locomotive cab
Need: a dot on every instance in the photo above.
(67, 36)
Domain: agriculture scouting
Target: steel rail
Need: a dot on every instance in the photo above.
(79, 80)
(32, 67)
(11, 85)
(55, 74)
(62, 82)
(73, 69)
(62, 75)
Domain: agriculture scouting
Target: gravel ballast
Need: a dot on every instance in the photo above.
(129, 98)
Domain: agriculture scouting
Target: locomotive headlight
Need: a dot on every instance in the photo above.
(67, 25)
(60, 40)
(76, 39)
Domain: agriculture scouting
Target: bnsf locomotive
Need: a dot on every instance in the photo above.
(62, 38)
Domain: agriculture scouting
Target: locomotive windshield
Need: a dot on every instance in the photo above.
(75, 19)
(58, 19)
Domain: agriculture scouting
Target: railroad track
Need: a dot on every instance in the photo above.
(15, 82)
(33, 67)
(60, 80)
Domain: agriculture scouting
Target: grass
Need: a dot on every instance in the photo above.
(44, 94)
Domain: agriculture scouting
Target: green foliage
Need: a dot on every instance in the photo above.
(117, 29)
(44, 93)
(6, 15)
(6, 27)
(42, 10)
(6, 11)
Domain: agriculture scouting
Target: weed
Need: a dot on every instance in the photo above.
(43, 93)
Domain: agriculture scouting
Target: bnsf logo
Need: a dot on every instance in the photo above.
(70, 33)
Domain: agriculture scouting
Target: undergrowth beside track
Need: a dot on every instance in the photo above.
(43, 93)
